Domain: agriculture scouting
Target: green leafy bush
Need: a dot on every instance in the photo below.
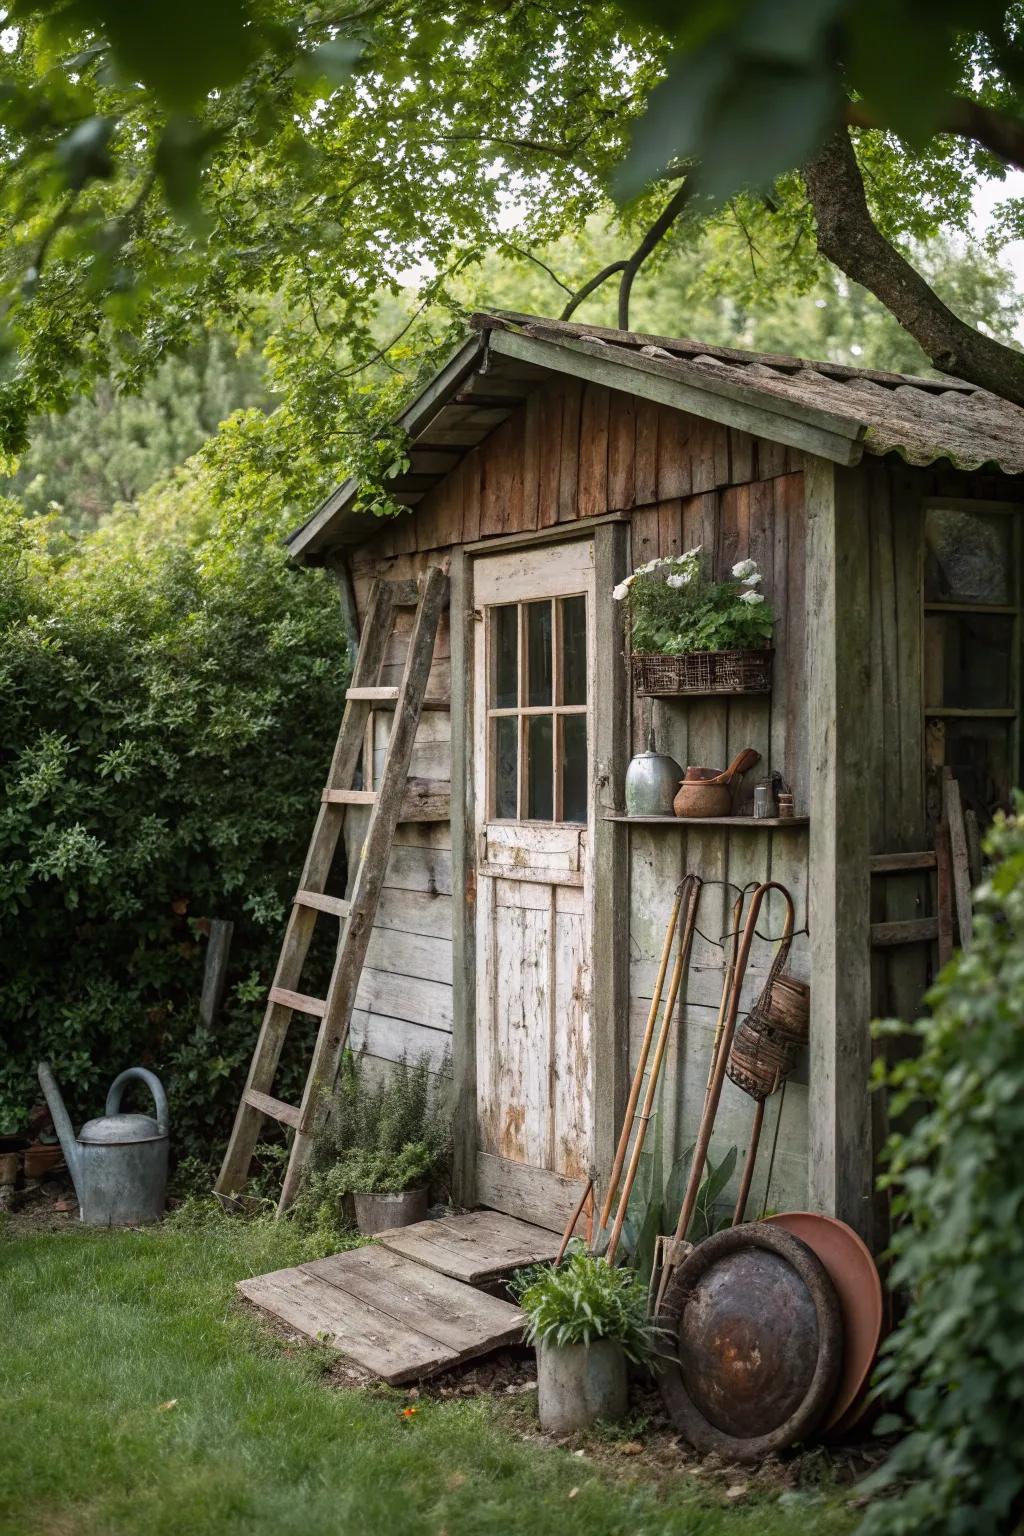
(585, 1299)
(674, 609)
(170, 686)
(953, 1368)
(382, 1138)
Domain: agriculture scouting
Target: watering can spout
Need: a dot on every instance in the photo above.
(61, 1123)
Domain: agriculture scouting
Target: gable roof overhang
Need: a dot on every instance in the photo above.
(825, 409)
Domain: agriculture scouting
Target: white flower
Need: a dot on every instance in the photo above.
(752, 580)
(694, 553)
(681, 580)
(751, 598)
(621, 591)
(744, 568)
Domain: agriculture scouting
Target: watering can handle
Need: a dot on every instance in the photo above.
(155, 1087)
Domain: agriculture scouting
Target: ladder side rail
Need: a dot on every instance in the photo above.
(369, 881)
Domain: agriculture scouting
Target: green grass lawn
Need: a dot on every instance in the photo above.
(100, 1332)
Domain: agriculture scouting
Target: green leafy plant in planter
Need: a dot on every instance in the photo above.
(383, 1138)
(586, 1319)
(675, 609)
(585, 1299)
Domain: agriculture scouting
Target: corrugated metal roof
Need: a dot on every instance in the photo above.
(922, 420)
(824, 408)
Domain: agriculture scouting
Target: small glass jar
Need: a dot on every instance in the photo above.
(763, 807)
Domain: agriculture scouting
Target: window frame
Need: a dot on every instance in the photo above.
(522, 712)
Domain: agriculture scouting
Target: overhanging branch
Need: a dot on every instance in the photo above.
(849, 238)
(629, 266)
(1000, 134)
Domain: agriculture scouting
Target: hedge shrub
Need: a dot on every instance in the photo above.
(955, 1366)
(170, 687)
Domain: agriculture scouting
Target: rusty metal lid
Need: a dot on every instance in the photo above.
(120, 1130)
(755, 1341)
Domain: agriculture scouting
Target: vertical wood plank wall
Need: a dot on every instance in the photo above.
(573, 452)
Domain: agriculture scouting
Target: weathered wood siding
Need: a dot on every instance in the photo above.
(573, 452)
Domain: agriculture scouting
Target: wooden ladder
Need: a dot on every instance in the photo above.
(429, 597)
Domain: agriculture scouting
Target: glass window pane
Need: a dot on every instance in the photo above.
(978, 751)
(538, 639)
(506, 767)
(505, 643)
(540, 798)
(967, 660)
(574, 767)
(968, 556)
(574, 650)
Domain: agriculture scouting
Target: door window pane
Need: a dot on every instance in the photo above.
(505, 642)
(574, 650)
(574, 767)
(978, 752)
(506, 767)
(540, 799)
(538, 640)
(968, 557)
(967, 660)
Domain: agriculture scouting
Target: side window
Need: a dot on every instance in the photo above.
(537, 710)
(971, 646)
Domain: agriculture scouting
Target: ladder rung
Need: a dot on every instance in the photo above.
(277, 1109)
(349, 796)
(372, 695)
(299, 1001)
(405, 594)
(332, 904)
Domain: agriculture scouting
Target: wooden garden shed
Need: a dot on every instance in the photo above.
(521, 926)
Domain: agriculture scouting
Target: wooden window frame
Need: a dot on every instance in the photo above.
(1015, 611)
(522, 712)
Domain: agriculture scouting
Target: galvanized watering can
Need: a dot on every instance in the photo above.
(118, 1163)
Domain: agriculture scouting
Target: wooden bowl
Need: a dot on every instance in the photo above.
(696, 799)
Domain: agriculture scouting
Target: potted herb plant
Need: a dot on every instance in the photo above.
(692, 635)
(586, 1319)
(384, 1146)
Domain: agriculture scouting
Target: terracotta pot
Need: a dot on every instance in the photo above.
(708, 791)
(379, 1213)
(41, 1159)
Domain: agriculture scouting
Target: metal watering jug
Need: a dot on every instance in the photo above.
(119, 1162)
(652, 779)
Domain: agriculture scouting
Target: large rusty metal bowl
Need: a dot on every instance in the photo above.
(753, 1343)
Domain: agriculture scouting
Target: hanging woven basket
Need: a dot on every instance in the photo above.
(703, 672)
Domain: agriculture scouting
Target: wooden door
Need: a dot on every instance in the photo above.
(533, 686)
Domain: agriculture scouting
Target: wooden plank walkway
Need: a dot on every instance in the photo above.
(478, 1247)
(403, 1316)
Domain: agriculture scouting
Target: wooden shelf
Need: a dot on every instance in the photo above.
(742, 823)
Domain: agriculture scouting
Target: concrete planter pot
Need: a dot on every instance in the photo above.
(378, 1213)
(578, 1383)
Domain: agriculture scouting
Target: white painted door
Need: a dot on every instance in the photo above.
(533, 684)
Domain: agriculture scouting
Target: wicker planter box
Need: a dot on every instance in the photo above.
(704, 672)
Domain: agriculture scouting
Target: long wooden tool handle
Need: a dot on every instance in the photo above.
(700, 1151)
(681, 965)
(641, 1066)
(746, 1179)
(573, 1219)
(727, 970)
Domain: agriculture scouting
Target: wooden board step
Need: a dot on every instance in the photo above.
(320, 903)
(348, 796)
(372, 695)
(478, 1247)
(392, 1316)
(902, 863)
(277, 1109)
(915, 930)
(298, 1001)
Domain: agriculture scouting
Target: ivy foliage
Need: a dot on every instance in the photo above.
(954, 1366)
(170, 687)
